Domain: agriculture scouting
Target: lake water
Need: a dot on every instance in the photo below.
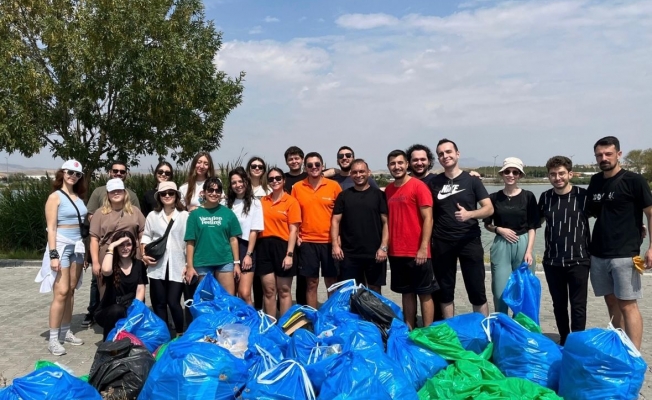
(539, 244)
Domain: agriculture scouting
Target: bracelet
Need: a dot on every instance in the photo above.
(109, 252)
(236, 262)
(54, 254)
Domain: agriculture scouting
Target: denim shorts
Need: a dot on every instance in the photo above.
(228, 267)
(68, 256)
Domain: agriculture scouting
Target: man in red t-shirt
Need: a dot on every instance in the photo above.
(409, 203)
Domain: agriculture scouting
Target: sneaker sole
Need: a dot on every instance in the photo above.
(72, 343)
(56, 354)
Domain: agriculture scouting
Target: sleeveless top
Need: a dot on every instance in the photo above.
(67, 215)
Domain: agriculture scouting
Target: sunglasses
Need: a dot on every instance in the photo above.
(213, 190)
(313, 165)
(119, 171)
(514, 172)
(168, 193)
(74, 173)
(276, 178)
(344, 155)
(257, 166)
(164, 172)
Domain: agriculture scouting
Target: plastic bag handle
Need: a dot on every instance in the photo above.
(264, 325)
(188, 303)
(268, 359)
(131, 322)
(310, 392)
(486, 325)
(337, 285)
(631, 349)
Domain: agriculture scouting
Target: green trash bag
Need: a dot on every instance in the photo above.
(527, 323)
(45, 363)
(441, 339)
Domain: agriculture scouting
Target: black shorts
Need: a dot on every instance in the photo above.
(270, 252)
(364, 270)
(316, 256)
(471, 256)
(408, 277)
(244, 245)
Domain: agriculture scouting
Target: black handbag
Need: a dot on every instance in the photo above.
(84, 230)
(156, 249)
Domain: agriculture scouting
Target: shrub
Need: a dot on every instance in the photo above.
(22, 215)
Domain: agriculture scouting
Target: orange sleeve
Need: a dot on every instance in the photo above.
(294, 212)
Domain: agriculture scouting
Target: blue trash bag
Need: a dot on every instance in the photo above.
(266, 326)
(144, 324)
(286, 381)
(418, 364)
(49, 383)
(351, 378)
(340, 301)
(197, 370)
(301, 344)
(523, 293)
(262, 356)
(519, 353)
(390, 375)
(208, 324)
(352, 334)
(469, 330)
(321, 358)
(211, 296)
(600, 364)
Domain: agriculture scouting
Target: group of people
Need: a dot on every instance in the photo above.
(264, 226)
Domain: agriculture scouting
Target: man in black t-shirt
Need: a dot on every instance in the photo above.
(456, 233)
(566, 258)
(359, 230)
(618, 199)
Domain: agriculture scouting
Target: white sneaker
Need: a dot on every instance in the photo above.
(72, 339)
(56, 348)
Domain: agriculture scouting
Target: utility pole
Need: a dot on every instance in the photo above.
(496, 156)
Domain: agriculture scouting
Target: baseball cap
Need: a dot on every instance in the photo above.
(115, 184)
(72, 165)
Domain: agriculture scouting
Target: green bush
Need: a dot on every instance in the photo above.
(22, 215)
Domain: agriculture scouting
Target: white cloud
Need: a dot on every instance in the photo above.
(365, 21)
(529, 79)
(270, 19)
(256, 30)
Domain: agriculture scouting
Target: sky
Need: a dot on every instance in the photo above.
(529, 79)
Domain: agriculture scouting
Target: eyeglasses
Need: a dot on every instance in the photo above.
(257, 166)
(168, 193)
(344, 155)
(276, 178)
(163, 172)
(313, 165)
(119, 171)
(213, 190)
(514, 172)
(74, 173)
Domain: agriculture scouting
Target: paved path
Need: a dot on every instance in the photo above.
(24, 330)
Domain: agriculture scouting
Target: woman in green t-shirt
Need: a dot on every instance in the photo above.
(212, 239)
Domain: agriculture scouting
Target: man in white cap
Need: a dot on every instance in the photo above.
(119, 170)
(456, 232)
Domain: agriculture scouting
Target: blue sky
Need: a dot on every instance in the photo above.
(530, 79)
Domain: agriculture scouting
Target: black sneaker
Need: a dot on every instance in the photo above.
(88, 321)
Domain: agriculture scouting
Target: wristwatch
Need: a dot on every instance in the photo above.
(250, 253)
(290, 254)
(384, 248)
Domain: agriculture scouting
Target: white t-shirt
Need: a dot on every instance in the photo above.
(260, 192)
(194, 201)
(253, 221)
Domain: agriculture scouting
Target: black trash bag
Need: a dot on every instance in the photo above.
(120, 369)
(370, 308)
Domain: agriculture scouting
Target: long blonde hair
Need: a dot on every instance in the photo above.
(192, 174)
(126, 204)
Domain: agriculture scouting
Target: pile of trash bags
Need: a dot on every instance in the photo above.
(356, 346)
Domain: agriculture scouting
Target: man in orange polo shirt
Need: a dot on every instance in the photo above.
(316, 196)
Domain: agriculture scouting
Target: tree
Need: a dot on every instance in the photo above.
(97, 80)
(635, 160)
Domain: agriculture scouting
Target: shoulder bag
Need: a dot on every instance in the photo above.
(84, 230)
(156, 249)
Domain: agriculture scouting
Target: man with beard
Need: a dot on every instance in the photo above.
(316, 196)
(566, 259)
(409, 204)
(618, 199)
(420, 160)
(456, 232)
(345, 156)
(359, 230)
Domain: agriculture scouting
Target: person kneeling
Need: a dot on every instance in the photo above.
(125, 279)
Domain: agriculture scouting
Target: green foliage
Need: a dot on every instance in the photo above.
(640, 160)
(97, 80)
(22, 216)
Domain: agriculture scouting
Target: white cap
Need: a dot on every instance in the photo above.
(115, 184)
(72, 165)
(513, 162)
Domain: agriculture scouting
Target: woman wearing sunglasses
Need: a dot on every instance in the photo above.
(201, 168)
(166, 274)
(275, 246)
(514, 221)
(64, 254)
(162, 173)
(240, 199)
(256, 169)
(116, 215)
(212, 239)
(125, 277)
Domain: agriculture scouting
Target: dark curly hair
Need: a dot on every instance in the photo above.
(248, 194)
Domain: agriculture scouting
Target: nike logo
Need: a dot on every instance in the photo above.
(447, 191)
